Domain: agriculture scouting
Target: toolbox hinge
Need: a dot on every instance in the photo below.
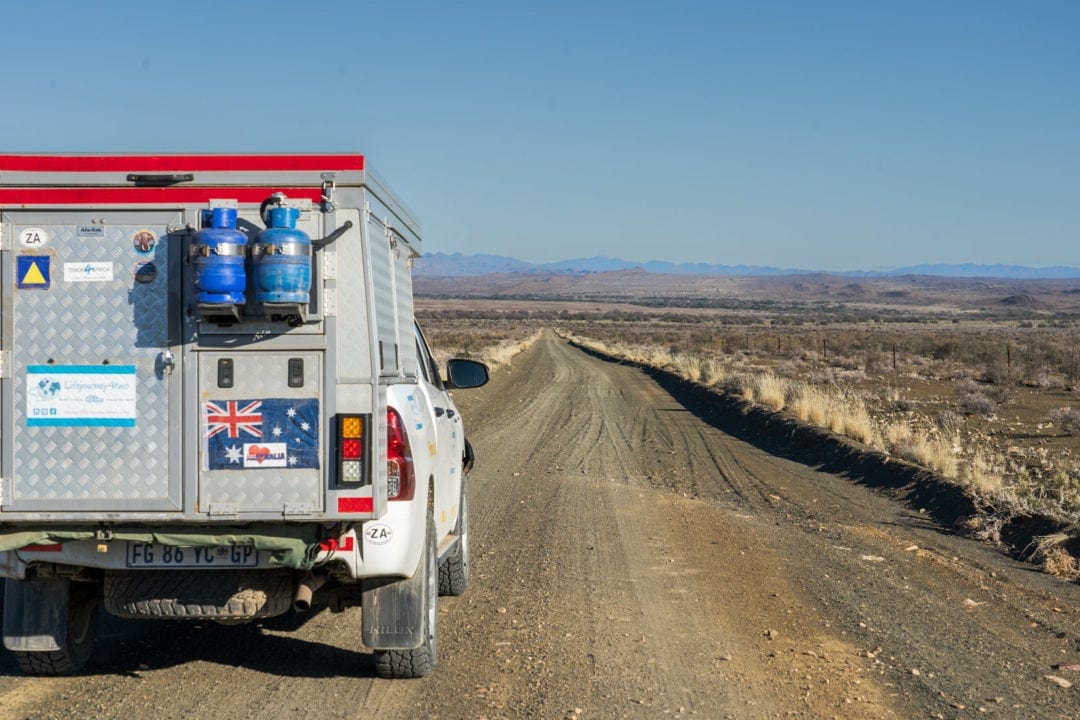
(297, 510)
(3, 238)
(224, 510)
(5, 364)
(329, 302)
(5, 492)
(329, 265)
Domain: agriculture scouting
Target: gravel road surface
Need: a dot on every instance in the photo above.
(633, 560)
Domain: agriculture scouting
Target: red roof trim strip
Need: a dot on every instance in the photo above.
(147, 196)
(175, 163)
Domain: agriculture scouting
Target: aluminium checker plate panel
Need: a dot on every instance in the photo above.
(91, 398)
(229, 475)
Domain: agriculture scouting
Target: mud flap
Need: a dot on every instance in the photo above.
(36, 614)
(392, 612)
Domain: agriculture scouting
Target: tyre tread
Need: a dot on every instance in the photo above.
(453, 567)
(68, 660)
(198, 594)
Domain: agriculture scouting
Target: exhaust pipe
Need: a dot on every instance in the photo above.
(305, 589)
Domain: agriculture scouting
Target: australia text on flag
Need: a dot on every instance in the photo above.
(261, 433)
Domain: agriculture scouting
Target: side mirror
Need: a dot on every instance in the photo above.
(466, 373)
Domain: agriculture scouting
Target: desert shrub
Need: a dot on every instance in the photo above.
(1070, 366)
(828, 376)
(1050, 552)
(1060, 562)
(948, 422)
(740, 384)
(1000, 394)
(999, 372)
(788, 369)
(976, 404)
(875, 361)
(713, 373)
(1045, 379)
(845, 362)
(1066, 418)
(1065, 486)
(968, 386)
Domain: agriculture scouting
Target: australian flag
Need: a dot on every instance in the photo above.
(261, 434)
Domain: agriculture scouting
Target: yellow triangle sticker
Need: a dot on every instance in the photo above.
(33, 276)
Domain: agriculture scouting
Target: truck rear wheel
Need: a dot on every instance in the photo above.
(72, 657)
(454, 568)
(417, 662)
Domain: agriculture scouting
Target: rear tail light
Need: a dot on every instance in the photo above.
(352, 434)
(400, 480)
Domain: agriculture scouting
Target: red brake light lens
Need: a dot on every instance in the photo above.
(400, 479)
(350, 449)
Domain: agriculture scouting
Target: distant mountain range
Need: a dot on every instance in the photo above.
(439, 264)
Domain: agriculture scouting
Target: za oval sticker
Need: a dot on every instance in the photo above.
(378, 534)
(33, 237)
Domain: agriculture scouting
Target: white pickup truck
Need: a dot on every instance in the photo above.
(215, 403)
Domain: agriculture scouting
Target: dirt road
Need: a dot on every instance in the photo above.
(631, 559)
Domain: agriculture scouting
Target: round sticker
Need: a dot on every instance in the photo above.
(145, 273)
(144, 241)
(378, 533)
(33, 238)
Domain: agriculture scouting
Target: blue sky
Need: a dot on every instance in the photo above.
(830, 135)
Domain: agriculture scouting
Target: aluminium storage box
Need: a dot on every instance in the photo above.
(122, 403)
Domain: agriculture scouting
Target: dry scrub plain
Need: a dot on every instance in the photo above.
(977, 380)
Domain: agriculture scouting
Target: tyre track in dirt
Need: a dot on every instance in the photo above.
(630, 560)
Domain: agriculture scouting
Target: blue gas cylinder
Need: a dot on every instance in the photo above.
(281, 260)
(218, 254)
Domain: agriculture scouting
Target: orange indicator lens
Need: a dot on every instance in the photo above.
(352, 427)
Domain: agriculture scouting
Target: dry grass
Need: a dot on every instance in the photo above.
(936, 453)
(844, 412)
(982, 471)
(809, 403)
(1049, 551)
(896, 436)
(504, 352)
(829, 400)
(496, 351)
(770, 390)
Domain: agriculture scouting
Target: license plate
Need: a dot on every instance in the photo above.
(145, 555)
